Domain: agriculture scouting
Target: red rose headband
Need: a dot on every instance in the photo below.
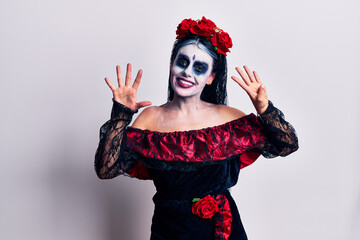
(207, 28)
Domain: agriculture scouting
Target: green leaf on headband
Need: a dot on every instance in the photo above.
(195, 199)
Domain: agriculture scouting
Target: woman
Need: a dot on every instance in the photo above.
(193, 146)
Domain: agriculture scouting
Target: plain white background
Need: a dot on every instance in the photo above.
(54, 56)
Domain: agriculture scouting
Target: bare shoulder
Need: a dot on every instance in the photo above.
(146, 117)
(230, 113)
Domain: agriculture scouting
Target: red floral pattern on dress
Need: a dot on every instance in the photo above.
(223, 219)
(206, 145)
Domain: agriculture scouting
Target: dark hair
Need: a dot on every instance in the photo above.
(216, 92)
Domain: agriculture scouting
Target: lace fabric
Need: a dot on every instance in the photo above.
(131, 151)
(108, 163)
(281, 136)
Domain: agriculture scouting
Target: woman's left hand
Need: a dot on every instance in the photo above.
(254, 88)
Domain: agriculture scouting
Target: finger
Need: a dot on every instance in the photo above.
(261, 90)
(262, 97)
(119, 77)
(243, 76)
(257, 77)
(137, 79)
(111, 86)
(251, 76)
(128, 75)
(143, 104)
(241, 83)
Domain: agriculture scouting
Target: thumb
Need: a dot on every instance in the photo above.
(144, 104)
(261, 90)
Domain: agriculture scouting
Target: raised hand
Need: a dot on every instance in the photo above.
(254, 88)
(125, 93)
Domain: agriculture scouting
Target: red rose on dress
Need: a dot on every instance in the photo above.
(205, 207)
(204, 27)
(184, 27)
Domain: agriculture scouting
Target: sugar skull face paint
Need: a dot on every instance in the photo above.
(191, 70)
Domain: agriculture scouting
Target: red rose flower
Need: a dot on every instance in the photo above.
(222, 41)
(184, 27)
(204, 27)
(205, 207)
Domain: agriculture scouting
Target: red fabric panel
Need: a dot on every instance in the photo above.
(198, 146)
(248, 158)
(139, 171)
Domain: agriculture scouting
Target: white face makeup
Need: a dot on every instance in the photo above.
(191, 71)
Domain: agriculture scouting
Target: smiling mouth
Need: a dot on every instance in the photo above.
(184, 83)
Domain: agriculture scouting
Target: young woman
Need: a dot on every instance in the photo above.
(193, 146)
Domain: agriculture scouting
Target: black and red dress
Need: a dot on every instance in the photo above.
(192, 170)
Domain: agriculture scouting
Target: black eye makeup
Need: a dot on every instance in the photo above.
(200, 68)
(182, 61)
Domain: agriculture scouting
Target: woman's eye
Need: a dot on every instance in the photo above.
(199, 69)
(183, 63)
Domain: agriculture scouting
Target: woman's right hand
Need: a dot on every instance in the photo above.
(125, 93)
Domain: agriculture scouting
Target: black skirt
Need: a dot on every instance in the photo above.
(174, 220)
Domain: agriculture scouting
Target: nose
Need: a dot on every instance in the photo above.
(188, 71)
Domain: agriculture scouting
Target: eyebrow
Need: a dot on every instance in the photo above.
(201, 63)
(183, 56)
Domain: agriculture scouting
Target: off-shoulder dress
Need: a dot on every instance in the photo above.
(192, 170)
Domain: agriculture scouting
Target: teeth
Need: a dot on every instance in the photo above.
(186, 83)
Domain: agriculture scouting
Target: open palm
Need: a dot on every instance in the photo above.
(254, 88)
(126, 93)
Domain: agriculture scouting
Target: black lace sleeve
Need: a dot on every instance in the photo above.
(281, 135)
(110, 160)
